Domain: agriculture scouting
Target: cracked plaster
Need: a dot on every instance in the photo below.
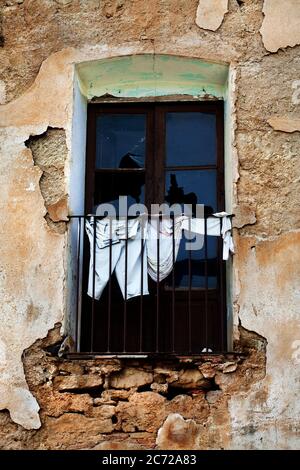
(266, 266)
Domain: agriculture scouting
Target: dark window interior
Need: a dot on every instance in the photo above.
(153, 153)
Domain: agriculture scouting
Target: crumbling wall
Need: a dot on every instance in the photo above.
(246, 408)
(131, 404)
(49, 153)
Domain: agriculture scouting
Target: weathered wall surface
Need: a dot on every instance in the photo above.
(96, 404)
(281, 24)
(42, 40)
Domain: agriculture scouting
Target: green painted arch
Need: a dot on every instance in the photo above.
(146, 75)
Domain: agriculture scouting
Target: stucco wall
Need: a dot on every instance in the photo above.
(42, 42)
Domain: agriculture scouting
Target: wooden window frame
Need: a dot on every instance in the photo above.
(155, 167)
(155, 146)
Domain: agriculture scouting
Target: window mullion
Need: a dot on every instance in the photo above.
(159, 156)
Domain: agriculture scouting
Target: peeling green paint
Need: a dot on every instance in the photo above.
(152, 75)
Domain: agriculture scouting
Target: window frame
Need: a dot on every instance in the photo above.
(155, 164)
(155, 167)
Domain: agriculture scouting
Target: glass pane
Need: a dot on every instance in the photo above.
(197, 265)
(120, 141)
(190, 139)
(109, 186)
(192, 187)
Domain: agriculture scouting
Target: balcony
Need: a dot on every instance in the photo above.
(136, 296)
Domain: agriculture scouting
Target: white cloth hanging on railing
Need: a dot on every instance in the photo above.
(158, 267)
(219, 224)
(161, 231)
(116, 229)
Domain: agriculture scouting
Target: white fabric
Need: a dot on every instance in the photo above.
(219, 224)
(161, 231)
(112, 228)
(102, 248)
(228, 245)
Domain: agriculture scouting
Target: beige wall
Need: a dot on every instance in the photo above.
(43, 40)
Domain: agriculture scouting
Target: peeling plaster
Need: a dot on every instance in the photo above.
(49, 152)
(265, 271)
(281, 24)
(31, 257)
(210, 13)
(285, 124)
(22, 405)
(273, 266)
(28, 259)
(20, 119)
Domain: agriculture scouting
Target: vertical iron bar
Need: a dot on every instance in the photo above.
(109, 285)
(206, 283)
(94, 273)
(190, 296)
(157, 284)
(173, 286)
(78, 282)
(125, 290)
(142, 283)
(221, 288)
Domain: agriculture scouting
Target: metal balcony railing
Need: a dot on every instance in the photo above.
(183, 314)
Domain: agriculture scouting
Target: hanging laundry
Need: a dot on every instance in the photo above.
(118, 231)
(160, 239)
(226, 231)
(218, 224)
(159, 248)
(160, 245)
